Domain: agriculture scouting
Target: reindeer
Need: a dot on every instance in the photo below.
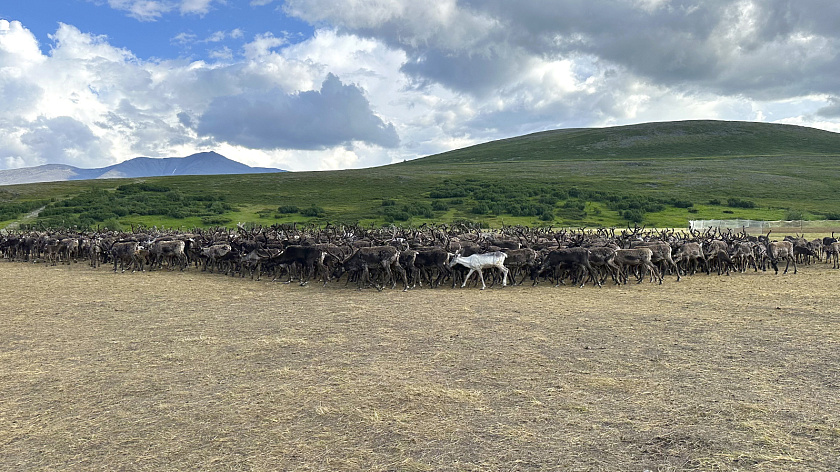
(430, 259)
(123, 254)
(479, 262)
(784, 250)
(637, 258)
(691, 255)
(520, 260)
(574, 260)
(377, 257)
(832, 251)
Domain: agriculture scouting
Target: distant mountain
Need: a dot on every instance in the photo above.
(204, 163)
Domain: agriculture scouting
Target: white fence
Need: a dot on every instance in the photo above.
(760, 227)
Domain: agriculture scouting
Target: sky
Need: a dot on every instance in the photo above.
(322, 84)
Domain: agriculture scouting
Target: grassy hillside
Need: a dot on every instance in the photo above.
(669, 140)
(655, 173)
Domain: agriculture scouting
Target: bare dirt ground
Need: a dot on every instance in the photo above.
(191, 371)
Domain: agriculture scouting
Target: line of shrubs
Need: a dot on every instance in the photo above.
(95, 206)
(14, 209)
(540, 200)
(471, 196)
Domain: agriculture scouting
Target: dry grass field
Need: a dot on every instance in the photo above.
(190, 371)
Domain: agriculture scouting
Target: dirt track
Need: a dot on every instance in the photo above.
(190, 371)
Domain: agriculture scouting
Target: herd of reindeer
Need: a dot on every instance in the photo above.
(429, 255)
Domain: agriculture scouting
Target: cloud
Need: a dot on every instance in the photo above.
(153, 10)
(195, 7)
(219, 39)
(765, 49)
(142, 10)
(106, 99)
(416, 78)
(832, 110)
(65, 139)
(337, 115)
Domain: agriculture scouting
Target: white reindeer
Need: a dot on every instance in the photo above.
(478, 262)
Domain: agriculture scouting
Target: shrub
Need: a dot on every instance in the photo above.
(574, 205)
(560, 195)
(288, 209)
(480, 209)
(176, 212)
(112, 224)
(439, 205)
(419, 209)
(738, 203)
(218, 207)
(633, 216)
(448, 191)
(397, 215)
(794, 215)
(314, 211)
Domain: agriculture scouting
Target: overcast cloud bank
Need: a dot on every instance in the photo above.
(380, 82)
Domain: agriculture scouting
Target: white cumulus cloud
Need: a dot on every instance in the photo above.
(382, 81)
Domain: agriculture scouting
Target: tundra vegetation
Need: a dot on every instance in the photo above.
(656, 174)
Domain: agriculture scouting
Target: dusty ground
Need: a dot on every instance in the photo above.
(189, 371)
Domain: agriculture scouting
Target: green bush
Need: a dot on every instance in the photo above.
(176, 212)
(218, 207)
(738, 203)
(574, 204)
(440, 205)
(794, 215)
(112, 224)
(480, 208)
(633, 216)
(397, 215)
(314, 212)
(449, 190)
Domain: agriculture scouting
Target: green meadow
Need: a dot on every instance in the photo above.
(654, 174)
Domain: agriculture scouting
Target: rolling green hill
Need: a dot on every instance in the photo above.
(669, 140)
(660, 174)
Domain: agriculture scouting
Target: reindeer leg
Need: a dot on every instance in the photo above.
(468, 278)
